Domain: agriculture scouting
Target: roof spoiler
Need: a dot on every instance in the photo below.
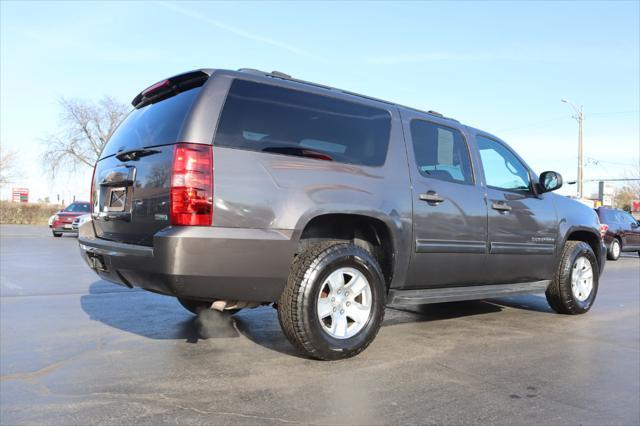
(169, 87)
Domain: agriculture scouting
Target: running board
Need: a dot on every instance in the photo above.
(456, 294)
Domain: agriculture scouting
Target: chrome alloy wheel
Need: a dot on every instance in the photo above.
(344, 303)
(582, 279)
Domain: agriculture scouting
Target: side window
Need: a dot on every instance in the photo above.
(441, 152)
(619, 217)
(627, 218)
(261, 117)
(502, 169)
(611, 216)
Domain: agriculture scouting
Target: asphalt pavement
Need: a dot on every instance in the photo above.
(78, 350)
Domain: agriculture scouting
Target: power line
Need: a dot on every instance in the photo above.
(573, 182)
(557, 119)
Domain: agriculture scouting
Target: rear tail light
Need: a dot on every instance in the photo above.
(603, 229)
(91, 190)
(156, 87)
(192, 185)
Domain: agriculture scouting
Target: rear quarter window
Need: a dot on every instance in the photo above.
(261, 117)
(608, 215)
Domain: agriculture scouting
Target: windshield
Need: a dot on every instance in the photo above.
(77, 208)
(152, 125)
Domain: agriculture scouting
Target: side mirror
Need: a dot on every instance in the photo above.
(550, 181)
(634, 224)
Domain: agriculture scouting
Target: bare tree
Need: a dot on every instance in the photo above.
(629, 192)
(8, 169)
(85, 127)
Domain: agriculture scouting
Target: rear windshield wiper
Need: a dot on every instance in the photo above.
(135, 154)
(299, 152)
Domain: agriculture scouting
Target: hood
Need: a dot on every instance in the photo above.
(70, 214)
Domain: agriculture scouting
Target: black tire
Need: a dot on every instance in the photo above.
(195, 306)
(611, 252)
(559, 293)
(297, 304)
(57, 234)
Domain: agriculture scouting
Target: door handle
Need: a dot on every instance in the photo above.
(431, 197)
(501, 206)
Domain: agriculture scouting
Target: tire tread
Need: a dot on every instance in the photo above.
(292, 300)
(559, 294)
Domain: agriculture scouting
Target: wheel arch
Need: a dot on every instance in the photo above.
(373, 233)
(589, 236)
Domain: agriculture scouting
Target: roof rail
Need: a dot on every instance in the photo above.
(281, 75)
(277, 74)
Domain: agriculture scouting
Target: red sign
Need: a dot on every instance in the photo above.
(20, 195)
(635, 206)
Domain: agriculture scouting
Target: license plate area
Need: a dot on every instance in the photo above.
(116, 199)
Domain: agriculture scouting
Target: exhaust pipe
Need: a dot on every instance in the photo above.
(227, 305)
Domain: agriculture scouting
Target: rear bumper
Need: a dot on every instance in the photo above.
(197, 262)
(602, 258)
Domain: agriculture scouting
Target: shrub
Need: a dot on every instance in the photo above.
(26, 213)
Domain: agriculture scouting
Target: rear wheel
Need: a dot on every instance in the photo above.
(613, 252)
(333, 304)
(57, 234)
(575, 283)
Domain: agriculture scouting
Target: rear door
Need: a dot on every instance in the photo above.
(449, 209)
(131, 185)
(523, 226)
(630, 230)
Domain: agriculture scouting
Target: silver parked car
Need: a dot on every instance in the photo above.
(79, 221)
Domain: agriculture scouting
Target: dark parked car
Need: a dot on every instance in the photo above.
(229, 189)
(63, 220)
(620, 231)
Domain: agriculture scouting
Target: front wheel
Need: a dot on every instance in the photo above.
(575, 283)
(334, 300)
(613, 252)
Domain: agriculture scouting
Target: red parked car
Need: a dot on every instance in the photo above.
(63, 220)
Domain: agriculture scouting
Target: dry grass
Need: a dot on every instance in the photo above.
(26, 213)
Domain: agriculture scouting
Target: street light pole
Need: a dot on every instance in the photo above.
(579, 118)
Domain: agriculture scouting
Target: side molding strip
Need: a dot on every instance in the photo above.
(444, 246)
(521, 248)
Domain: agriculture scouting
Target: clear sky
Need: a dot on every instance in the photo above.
(499, 66)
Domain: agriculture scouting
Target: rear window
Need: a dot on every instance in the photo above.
(260, 117)
(152, 125)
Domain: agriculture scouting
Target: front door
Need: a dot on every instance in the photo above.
(449, 209)
(522, 225)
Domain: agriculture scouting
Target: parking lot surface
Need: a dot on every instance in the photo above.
(78, 350)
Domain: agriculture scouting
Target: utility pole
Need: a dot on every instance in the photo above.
(579, 118)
